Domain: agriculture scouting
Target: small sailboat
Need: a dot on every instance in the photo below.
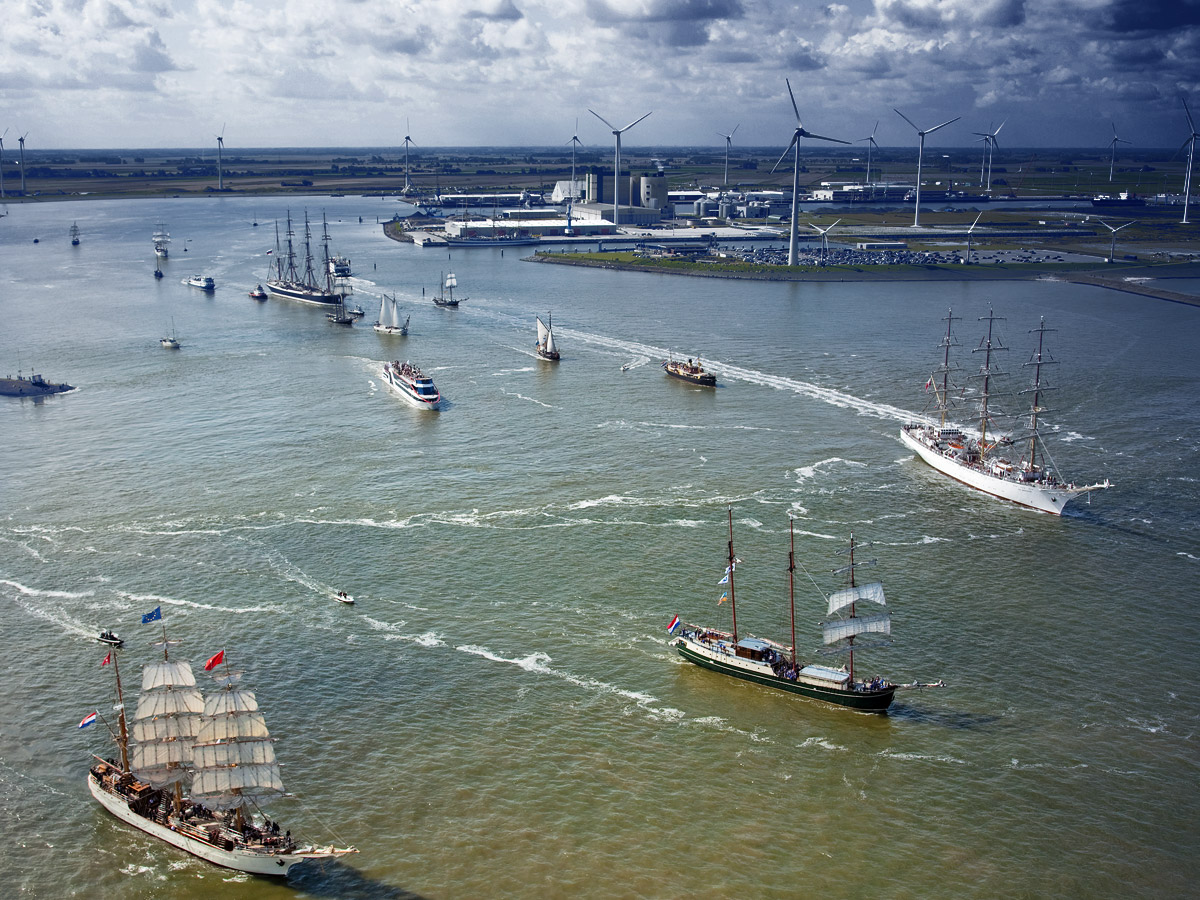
(985, 462)
(446, 296)
(193, 769)
(776, 665)
(74, 234)
(389, 317)
(171, 342)
(546, 348)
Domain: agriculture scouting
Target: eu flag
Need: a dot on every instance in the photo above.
(156, 613)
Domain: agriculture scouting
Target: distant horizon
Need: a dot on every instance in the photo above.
(932, 151)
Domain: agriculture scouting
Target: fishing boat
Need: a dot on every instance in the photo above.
(546, 348)
(776, 665)
(171, 342)
(1011, 467)
(204, 282)
(258, 293)
(74, 234)
(446, 296)
(193, 769)
(162, 240)
(389, 317)
(406, 380)
(689, 371)
(286, 279)
(111, 638)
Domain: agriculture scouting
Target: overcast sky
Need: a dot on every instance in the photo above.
(337, 73)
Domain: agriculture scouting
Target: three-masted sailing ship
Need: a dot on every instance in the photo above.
(286, 279)
(193, 768)
(986, 462)
(776, 665)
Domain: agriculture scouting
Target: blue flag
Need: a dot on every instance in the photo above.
(156, 613)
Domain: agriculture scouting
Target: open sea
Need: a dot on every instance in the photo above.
(499, 715)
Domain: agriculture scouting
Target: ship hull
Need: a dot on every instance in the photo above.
(864, 701)
(1035, 496)
(303, 294)
(404, 391)
(255, 863)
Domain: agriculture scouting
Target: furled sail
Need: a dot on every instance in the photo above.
(234, 757)
(845, 628)
(842, 599)
(166, 722)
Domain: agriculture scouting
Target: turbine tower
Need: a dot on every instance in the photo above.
(800, 132)
(824, 236)
(617, 132)
(728, 144)
(220, 149)
(21, 141)
(989, 144)
(969, 230)
(2, 164)
(920, 154)
(407, 141)
(1112, 247)
(1187, 185)
(574, 141)
(1113, 143)
(870, 141)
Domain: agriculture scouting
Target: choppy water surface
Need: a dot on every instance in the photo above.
(499, 714)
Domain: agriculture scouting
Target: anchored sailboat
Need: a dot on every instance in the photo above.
(546, 348)
(776, 665)
(221, 745)
(984, 463)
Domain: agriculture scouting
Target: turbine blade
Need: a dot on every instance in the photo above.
(811, 225)
(875, 129)
(819, 137)
(943, 125)
(602, 119)
(976, 222)
(631, 124)
(795, 108)
(906, 119)
(1187, 112)
(997, 131)
(735, 128)
(785, 153)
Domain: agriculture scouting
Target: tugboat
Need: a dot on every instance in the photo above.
(258, 293)
(407, 380)
(689, 371)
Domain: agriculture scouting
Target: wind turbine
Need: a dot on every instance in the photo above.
(1113, 143)
(870, 139)
(574, 141)
(728, 144)
(220, 148)
(824, 236)
(617, 132)
(407, 141)
(969, 230)
(21, 141)
(1187, 185)
(920, 155)
(990, 143)
(1112, 247)
(2, 164)
(800, 132)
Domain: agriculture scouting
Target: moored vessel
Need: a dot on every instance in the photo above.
(689, 371)
(193, 769)
(774, 664)
(408, 381)
(1015, 468)
(546, 348)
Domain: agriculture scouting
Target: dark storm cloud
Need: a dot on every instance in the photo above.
(1127, 16)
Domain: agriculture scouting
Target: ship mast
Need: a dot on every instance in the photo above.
(729, 572)
(1037, 390)
(943, 394)
(791, 582)
(850, 639)
(122, 724)
(988, 345)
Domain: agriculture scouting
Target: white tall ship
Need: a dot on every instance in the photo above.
(389, 317)
(162, 241)
(193, 769)
(1010, 467)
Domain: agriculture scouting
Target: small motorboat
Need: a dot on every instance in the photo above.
(343, 597)
(258, 293)
(204, 282)
(111, 638)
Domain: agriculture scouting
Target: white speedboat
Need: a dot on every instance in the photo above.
(1011, 468)
(406, 380)
(204, 282)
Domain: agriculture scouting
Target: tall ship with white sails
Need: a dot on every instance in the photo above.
(193, 769)
(286, 279)
(162, 241)
(1011, 467)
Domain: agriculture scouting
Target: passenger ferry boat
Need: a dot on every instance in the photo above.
(204, 282)
(406, 380)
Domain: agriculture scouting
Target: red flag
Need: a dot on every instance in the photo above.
(215, 660)
(107, 659)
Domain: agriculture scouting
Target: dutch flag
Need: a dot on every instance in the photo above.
(674, 624)
(87, 720)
